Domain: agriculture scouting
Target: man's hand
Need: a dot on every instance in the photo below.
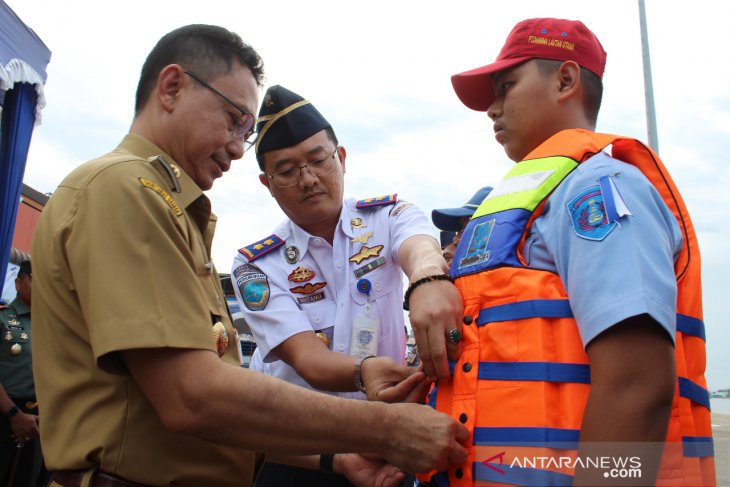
(421, 439)
(435, 309)
(367, 470)
(24, 427)
(386, 380)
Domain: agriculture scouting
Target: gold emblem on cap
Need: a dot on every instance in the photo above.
(267, 100)
(366, 253)
(220, 338)
(363, 239)
(16, 349)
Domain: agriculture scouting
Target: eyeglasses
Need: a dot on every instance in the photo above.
(289, 174)
(243, 125)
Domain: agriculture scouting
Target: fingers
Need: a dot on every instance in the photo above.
(458, 454)
(401, 391)
(453, 343)
(439, 354)
(435, 311)
(419, 393)
(390, 477)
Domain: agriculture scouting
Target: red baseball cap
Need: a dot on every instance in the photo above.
(558, 39)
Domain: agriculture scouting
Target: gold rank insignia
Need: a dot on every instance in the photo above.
(8, 335)
(366, 253)
(363, 239)
(379, 201)
(16, 349)
(220, 338)
(24, 336)
(357, 223)
(175, 170)
(262, 247)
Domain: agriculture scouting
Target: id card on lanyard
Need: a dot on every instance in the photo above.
(365, 328)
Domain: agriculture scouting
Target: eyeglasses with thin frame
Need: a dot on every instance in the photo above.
(290, 174)
(243, 125)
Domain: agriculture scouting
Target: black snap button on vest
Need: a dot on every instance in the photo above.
(463, 418)
(468, 320)
(459, 473)
(466, 367)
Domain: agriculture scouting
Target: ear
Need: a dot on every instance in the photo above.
(342, 155)
(568, 77)
(265, 181)
(169, 83)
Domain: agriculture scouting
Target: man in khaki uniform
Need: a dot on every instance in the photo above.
(138, 377)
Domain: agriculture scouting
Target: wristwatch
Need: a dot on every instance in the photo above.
(11, 412)
(358, 373)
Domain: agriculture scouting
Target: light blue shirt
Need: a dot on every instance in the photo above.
(627, 273)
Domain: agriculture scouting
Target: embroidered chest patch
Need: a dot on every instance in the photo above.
(587, 212)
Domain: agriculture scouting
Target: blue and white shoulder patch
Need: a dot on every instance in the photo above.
(262, 247)
(588, 215)
(390, 199)
(253, 286)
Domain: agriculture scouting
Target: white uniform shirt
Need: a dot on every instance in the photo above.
(328, 300)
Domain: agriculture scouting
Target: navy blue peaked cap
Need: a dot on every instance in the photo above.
(449, 218)
(285, 119)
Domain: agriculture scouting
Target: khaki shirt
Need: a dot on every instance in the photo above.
(121, 260)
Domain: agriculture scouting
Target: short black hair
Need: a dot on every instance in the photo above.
(25, 268)
(208, 50)
(592, 86)
(330, 135)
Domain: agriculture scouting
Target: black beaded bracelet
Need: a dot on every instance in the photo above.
(423, 280)
(326, 462)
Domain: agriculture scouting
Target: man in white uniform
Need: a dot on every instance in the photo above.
(323, 294)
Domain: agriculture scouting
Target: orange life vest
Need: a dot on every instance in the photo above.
(524, 379)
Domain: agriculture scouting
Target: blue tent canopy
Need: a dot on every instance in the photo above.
(23, 61)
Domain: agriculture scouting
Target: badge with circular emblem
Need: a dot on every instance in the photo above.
(220, 337)
(16, 349)
(291, 254)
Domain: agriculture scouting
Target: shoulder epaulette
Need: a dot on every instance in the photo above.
(379, 201)
(262, 247)
(173, 172)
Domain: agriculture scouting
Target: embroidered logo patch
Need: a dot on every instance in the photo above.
(301, 274)
(253, 285)
(588, 215)
(308, 288)
(165, 195)
(477, 251)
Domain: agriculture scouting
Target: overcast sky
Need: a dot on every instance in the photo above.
(380, 73)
